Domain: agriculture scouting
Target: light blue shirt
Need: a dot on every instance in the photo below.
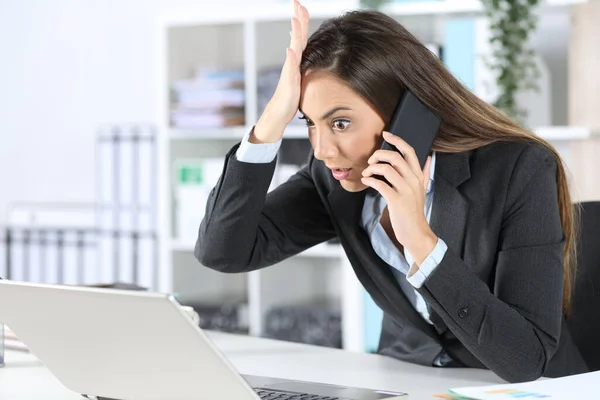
(370, 221)
(384, 247)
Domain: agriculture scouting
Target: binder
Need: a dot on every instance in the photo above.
(126, 203)
(111, 240)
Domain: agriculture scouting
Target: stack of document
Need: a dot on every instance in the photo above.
(575, 387)
(211, 99)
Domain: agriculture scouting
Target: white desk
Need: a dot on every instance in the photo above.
(24, 377)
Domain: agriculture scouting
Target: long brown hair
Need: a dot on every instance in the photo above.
(378, 58)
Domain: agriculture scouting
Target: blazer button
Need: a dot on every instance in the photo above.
(463, 312)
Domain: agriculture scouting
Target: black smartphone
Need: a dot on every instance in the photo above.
(416, 124)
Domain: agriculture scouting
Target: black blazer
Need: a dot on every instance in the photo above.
(495, 298)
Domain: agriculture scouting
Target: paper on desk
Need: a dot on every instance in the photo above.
(452, 396)
(12, 342)
(582, 386)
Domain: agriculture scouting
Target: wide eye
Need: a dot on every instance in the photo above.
(341, 124)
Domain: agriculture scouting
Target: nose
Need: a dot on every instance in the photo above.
(323, 144)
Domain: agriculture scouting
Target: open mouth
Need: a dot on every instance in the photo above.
(341, 173)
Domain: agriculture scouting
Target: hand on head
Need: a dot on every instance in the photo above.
(283, 106)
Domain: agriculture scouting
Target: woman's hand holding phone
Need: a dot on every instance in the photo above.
(283, 106)
(404, 195)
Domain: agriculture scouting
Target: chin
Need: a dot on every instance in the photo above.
(353, 186)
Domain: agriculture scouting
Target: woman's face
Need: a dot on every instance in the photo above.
(344, 130)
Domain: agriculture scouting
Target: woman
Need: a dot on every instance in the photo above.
(471, 258)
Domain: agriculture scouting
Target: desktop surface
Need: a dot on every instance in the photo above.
(24, 377)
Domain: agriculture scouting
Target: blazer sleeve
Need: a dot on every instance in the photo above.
(514, 330)
(245, 228)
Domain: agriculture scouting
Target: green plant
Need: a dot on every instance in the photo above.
(512, 59)
(373, 4)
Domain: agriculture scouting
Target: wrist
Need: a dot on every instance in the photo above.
(421, 249)
(266, 131)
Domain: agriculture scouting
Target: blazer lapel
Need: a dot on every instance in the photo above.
(450, 209)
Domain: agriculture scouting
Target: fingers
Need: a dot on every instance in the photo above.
(302, 16)
(389, 173)
(296, 37)
(407, 150)
(383, 188)
(290, 68)
(304, 21)
(399, 164)
(290, 60)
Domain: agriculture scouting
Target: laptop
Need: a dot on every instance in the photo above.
(129, 345)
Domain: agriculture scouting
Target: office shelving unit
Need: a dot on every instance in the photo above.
(255, 40)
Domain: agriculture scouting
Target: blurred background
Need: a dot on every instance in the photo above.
(115, 117)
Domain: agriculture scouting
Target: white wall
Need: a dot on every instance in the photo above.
(66, 67)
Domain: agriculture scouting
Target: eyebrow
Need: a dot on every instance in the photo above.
(330, 112)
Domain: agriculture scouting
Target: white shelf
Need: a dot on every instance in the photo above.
(230, 133)
(317, 9)
(558, 3)
(182, 245)
(454, 7)
(323, 250)
(322, 10)
(447, 7)
(563, 133)
(271, 12)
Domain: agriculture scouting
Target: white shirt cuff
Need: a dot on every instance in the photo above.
(256, 152)
(418, 275)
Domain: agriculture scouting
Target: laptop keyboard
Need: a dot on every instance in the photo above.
(270, 394)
